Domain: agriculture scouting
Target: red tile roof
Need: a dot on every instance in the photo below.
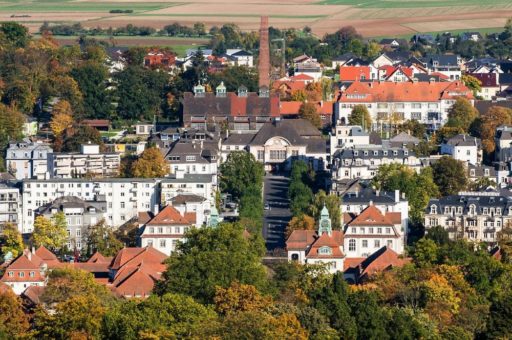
(290, 108)
(48, 257)
(171, 216)
(487, 79)
(382, 259)
(33, 293)
(302, 77)
(335, 242)
(370, 92)
(96, 122)
(353, 73)
(371, 216)
(97, 257)
(135, 256)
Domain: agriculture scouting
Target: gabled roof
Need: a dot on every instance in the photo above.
(33, 294)
(404, 137)
(335, 242)
(97, 257)
(170, 216)
(371, 216)
(135, 256)
(48, 257)
(365, 92)
(353, 73)
(383, 259)
(182, 199)
(135, 281)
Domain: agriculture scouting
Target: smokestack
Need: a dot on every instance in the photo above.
(264, 57)
(397, 196)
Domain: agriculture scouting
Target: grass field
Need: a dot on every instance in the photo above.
(372, 18)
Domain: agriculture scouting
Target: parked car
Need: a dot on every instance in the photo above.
(267, 206)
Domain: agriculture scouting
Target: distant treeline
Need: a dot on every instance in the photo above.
(173, 30)
(121, 11)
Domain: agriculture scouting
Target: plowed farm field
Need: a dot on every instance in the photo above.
(371, 18)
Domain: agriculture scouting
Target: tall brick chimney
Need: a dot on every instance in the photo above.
(264, 57)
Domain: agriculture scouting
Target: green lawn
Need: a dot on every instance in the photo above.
(413, 3)
(453, 32)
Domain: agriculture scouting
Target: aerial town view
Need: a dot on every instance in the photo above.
(259, 169)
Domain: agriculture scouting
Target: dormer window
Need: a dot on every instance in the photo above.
(325, 250)
(433, 209)
(355, 153)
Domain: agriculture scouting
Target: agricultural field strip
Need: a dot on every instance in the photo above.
(412, 4)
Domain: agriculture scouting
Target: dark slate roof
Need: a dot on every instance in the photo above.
(506, 66)
(504, 132)
(484, 105)
(357, 62)
(442, 59)
(375, 139)
(296, 131)
(345, 56)
(480, 170)
(72, 202)
(422, 77)
(182, 199)
(404, 138)
(505, 79)
(366, 196)
(482, 200)
(398, 55)
(238, 139)
(241, 53)
(463, 140)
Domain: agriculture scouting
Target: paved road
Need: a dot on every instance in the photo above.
(276, 219)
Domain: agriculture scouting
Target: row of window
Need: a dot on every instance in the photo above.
(79, 185)
(21, 274)
(170, 230)
(364, 244)
(163, 244)
(371, 230)
(472, 210)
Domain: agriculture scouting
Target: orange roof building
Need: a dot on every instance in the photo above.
(134, 271)
(425, 102)
(29, 269)
(369, 231)
(165, 229)
(356, 73)
(381, 260)
(324, 246)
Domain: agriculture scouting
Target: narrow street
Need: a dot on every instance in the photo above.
(278, 216)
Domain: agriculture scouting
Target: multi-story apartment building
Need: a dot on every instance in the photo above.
(347, 136)
(187, 184)
(88, 162)
(503, 141)
(369, 231)
(80, 215)
(125, 197)
(238, 111)
(27, 159)
(393, 202)
(391, 103)
(475, 216)
(10, 204)
(164, 230)
(463, 148)
(363, 162)
(194, 157)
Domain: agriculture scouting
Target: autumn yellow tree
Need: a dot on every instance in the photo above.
(62, 117)
(13, 321)
(240, 298)
(302, 222)
(493, 118)
(309, 112)
(50, 233)
(150, 164)
(12, 241)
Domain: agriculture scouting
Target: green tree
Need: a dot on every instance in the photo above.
(426, 252)
(301, 222)
(14, 323)
(240, 171)
(332, 302)
(50, 233)
(11, 240)
(100, 238)
(151, 164)
(92, 79)
(14, 34)
(461, 114)
(67, 283)
(449, 175)
(369, 316)
(75, 136)
(300, 196)
(418, 188)
(141, 93)
(331, 202)
(439, 235)
(11, 127)
(251, 204)
(78, 317)
(309, 112)
(168, 316)
(211, 258)
(360, 116)
(414, 128)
